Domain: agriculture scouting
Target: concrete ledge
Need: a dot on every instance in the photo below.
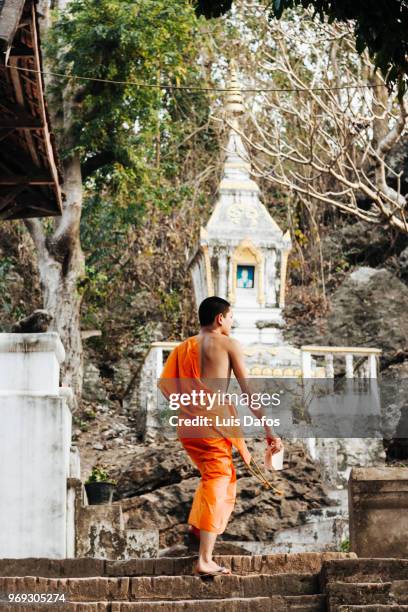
(31, 362)
(46, 342)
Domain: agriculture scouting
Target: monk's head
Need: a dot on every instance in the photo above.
(215, 313)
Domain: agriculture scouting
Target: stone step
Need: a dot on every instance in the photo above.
(363, 570)
(163, 587)
(304, 603)
(305, 562)
(90, 606)
(234, 604)
(223, 605)
(372, 608)
(342, 593)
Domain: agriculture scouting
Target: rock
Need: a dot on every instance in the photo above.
(394, 392)
(356, 243)
(363, 274)
(102, 408)
(98, 446)
(403, 262)
(123, 374)
(160, 481)
(93, 389)
(156, 467)
(109, 434)
(117, 443)
(369, 309)
(37, 322)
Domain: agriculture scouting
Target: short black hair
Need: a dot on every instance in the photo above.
(210, 308)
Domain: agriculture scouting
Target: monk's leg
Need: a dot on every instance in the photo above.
(207, 542)
(215, 495)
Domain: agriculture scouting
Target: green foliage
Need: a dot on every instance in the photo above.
(380, 26)
(117, 127)
(345, 545)
(83, 425)
(99, 474)
(93, 282)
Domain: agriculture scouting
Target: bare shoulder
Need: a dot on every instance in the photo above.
(232, 345)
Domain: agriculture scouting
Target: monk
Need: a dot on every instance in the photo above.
(206, 361)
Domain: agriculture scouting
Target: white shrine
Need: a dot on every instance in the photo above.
(242, 254)
(242, 257)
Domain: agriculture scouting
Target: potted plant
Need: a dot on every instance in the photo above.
(99, 487)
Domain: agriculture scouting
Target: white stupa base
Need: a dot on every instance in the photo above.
(249, 325)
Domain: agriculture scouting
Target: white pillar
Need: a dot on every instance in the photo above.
(372, 360)
(270, 278)
(231, 279)
(159, 361)
(329, 367)
(349, 366)
(35, 442)
(222, 275)
(306, 364)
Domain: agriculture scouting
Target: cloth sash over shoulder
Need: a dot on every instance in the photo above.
(181, 375)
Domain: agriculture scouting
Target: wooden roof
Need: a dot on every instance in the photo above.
(29, 168)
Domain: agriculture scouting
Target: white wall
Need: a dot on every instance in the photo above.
(35, 440)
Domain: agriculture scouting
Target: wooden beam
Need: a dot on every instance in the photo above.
(19, 95)
(47, 135)
(7, 199)
(26, 207)
(6, 134)
(26, 212)
(39, 179)
(44, 208)
(20, 123)
(24, 24)
(21, 51)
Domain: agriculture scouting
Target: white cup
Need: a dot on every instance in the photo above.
(277, 460)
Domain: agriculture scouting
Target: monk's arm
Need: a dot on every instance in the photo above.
(239, 368)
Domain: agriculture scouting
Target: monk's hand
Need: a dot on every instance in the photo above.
(274, 442)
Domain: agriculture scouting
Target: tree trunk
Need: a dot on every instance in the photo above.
(61, 264)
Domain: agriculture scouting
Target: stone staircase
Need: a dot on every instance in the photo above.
(297, 582)
(370, 585)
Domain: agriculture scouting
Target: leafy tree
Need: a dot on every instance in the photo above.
(119, 142)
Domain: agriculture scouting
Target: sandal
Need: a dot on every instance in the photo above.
(223, 571)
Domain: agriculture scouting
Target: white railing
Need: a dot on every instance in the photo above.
(359, 362)
(159, 349)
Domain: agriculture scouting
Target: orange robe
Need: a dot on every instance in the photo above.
(214, 498)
